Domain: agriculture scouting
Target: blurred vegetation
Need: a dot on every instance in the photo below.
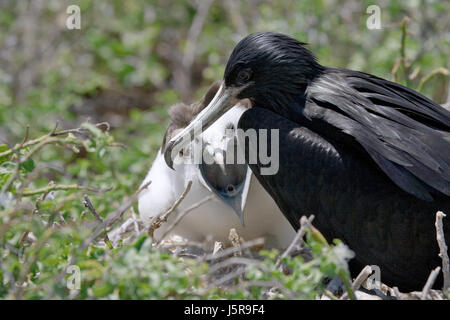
(127, 64)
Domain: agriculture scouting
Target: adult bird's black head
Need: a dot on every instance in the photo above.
(269, 68)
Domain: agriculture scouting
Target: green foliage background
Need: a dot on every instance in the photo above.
(125, 66)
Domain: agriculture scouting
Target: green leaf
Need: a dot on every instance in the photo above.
(4, 147)
(28, 165)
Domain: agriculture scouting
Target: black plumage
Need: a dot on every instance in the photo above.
(369, 157)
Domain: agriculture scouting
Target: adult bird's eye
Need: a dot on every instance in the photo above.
(244, 75)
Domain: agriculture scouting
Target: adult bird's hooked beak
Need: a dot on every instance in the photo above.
(224, 100)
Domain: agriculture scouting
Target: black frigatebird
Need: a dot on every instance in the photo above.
(369, 157)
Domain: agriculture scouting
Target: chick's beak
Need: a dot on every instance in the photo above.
(224, 99)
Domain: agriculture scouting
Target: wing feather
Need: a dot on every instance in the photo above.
(406, 134)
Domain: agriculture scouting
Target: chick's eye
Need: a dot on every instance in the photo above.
(244, 75)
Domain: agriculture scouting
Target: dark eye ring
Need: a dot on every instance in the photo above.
(244, 75)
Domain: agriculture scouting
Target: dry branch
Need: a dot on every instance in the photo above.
(156, 222)
(88, 204)
(297, 239)
(431, 279)
(362, 276)
(228, 251)
(235, 241)
(48, 138)
(55, 187)
(183, 214)
(440, 237)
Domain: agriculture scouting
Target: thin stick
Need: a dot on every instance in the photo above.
(235, 241)
(443, 249)
(239, 271)
(55, 187)
(428, 77)
(109, 220)
(52, 133)
(88, 204)
(183, 214)
(362, 276)
(297, 239)
(156, 222)
(431, 279)
(218, 246)
(231, 250)
(235, 261)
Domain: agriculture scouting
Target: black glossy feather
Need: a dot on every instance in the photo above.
(352, 200)
(391, 127)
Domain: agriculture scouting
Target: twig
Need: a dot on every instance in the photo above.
(55, 187)
(397, 293)
(52, 133)
(235, 241)
(229, 276)
(218, 246)
(183, 214)
(443, 249)
(431, 75)
(117, 214)
(118, 233)
(88, 204)
(23, 238)
(431, 279)
(78, 130)
(135, 221)
(403, 48)
(362, 276)
(234, 267)
(156, 222)
(248, 244)
(234, 261)
(297, 239)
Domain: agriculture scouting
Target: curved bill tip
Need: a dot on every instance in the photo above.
(168, 154)
(221, 103)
